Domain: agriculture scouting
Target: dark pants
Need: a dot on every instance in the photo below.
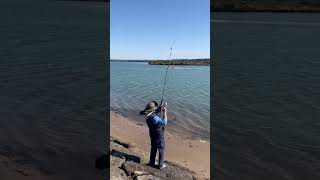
(160, 146)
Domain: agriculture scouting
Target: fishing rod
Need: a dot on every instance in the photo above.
(165, 78)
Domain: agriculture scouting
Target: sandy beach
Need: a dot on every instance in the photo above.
(190, 153)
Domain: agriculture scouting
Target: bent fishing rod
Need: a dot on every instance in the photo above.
(165, 78)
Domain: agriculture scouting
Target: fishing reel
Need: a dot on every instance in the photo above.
(163, 104)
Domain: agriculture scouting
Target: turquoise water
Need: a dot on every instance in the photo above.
(133, 85)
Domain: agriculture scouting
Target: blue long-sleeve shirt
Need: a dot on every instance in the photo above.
(158, 121)
(156, 118)
(156, 127)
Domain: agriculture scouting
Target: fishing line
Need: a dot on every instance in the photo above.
(165, 78)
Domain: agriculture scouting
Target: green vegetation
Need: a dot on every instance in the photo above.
(200, 62)
(266, 5)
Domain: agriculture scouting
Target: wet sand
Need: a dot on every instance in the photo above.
(193, 154)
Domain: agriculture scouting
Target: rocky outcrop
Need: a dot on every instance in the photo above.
(120, 151)
(117, 174)
(170, 172)
(116, 161)
(126, 163)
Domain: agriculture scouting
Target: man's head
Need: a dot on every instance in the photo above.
(151, 106)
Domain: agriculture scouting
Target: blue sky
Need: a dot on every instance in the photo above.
(145, 29)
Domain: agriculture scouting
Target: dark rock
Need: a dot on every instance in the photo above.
(112, 138)
(102, 162)
(126, 156)
(122, 152)
(118, 147)
(121, 142)
(117, 174)
(126, 145)
(172, 171)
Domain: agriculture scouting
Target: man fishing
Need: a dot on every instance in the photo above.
(156, 131)
(156, 124)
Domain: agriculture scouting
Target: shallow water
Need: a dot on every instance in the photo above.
(266, 92)
(187, 92)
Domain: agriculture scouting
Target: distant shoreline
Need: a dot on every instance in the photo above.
(197, 62)
(194, 62)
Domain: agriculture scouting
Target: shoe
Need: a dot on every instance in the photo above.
(155, 163)
(163, 166)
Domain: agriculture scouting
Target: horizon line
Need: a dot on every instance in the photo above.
(153, 59)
